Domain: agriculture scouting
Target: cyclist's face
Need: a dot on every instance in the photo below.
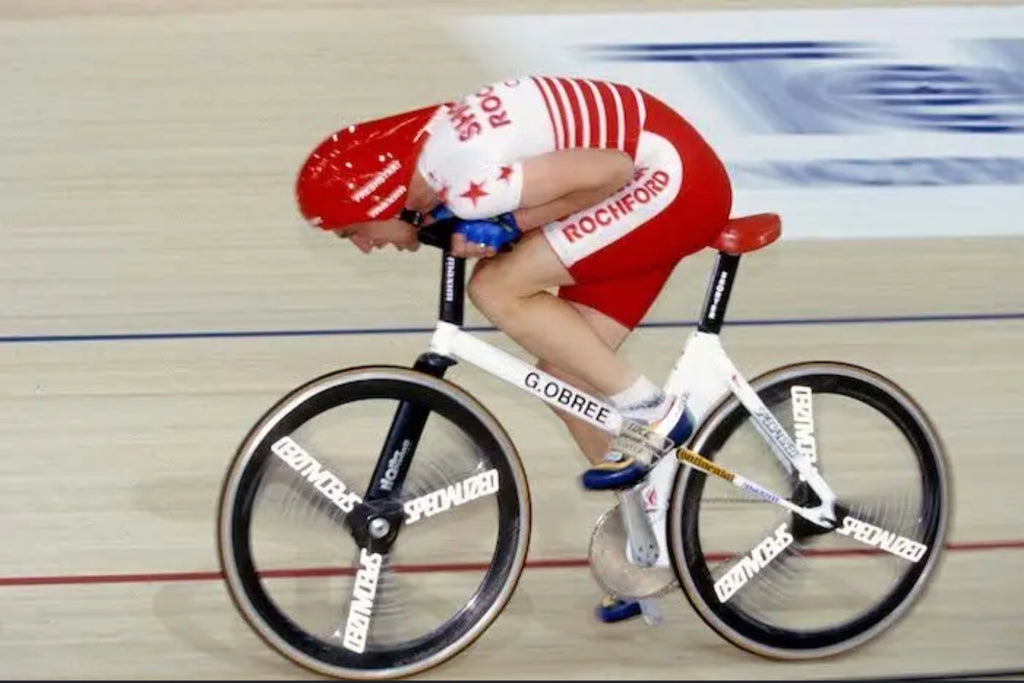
(377, 234)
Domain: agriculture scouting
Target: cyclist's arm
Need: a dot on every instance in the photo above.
(558, 184)
(542, 188)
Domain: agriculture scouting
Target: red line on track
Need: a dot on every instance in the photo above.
(312, 572)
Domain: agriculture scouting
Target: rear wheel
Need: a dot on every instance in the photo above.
(772, 583)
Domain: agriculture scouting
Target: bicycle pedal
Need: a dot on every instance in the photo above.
(651, 612)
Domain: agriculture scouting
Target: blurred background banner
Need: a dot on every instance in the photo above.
(852, 123)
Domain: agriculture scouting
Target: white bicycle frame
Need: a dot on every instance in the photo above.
(703, 373)
(702, 376)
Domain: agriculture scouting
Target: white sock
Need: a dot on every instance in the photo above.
(642, 400)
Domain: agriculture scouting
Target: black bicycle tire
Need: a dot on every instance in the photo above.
(685, 547)
(258, 434)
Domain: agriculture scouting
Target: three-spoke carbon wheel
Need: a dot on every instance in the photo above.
(293, 526)
(772, 583)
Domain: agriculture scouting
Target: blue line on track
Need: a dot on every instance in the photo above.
(753, 322)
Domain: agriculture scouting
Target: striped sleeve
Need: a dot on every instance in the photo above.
(591, 113)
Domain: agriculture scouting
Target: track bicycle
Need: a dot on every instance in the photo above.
(821, 560)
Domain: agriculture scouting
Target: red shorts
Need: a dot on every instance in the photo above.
(621, 252)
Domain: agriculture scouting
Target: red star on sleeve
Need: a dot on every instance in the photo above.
(506, 174)
(475, 191)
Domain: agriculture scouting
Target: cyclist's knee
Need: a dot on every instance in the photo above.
(478, 287)
(498, 284)
(488, 290)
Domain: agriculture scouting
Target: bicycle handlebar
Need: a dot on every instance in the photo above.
(438, 234)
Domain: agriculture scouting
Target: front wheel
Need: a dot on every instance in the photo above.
(765, 580)
(300, 526)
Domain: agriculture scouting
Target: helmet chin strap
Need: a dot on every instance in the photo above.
(413, 218)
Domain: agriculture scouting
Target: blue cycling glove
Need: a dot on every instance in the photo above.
(493, 232)
(440, 212)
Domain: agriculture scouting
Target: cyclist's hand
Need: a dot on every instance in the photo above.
(463, 248)
(480, 238)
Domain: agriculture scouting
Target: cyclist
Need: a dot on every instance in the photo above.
(601, 187)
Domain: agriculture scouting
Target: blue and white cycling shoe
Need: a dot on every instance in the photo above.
(612, 611)
(621, 470)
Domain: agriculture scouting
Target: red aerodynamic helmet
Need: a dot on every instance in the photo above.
(362, 172)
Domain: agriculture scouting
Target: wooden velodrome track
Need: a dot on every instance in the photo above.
(147, 150)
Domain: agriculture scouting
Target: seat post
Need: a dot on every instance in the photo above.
(716, 300)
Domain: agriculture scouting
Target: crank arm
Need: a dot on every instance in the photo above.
(642, 541)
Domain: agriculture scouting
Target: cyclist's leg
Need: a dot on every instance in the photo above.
(614, 308)
(642, 232)
(623, 302)
(592, 442)
(621, 252)
(510, 291)
(626, 299)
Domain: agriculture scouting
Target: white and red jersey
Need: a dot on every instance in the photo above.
(621, 251)
(473, 157)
